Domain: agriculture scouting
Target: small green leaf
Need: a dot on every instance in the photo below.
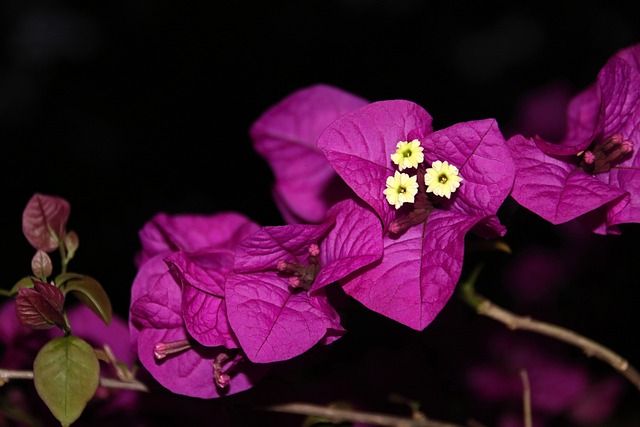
(66, 373)
(88, 291)
(24, 282)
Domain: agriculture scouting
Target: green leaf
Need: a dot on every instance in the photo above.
(66, 373)
(24, 282)
(88, 291)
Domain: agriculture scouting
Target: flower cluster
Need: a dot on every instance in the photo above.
(376, 202)
(593, 173)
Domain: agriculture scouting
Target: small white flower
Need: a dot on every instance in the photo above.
(442, 179)
(408, 154)
(401, 188)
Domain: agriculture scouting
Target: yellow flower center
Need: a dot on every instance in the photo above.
(408, 154)
(442, 179)
(401, 189)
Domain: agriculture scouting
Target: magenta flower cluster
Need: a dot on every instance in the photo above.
(377, 202)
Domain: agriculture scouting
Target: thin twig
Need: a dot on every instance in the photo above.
(526, 398)
(590, 347)
(513, 321)
(349, 415)
(9, 374)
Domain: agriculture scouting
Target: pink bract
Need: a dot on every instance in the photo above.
(421, 263)
(285, 136)
(593, 173)
(178, 320)
(275, 320)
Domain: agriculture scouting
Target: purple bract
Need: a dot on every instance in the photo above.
(593, 173)
(285, 136)
(178, 318)
(275, 299)
(423, 241)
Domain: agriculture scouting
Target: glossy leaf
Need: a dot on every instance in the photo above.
(44, 220)
(66, 375)
(89, 291)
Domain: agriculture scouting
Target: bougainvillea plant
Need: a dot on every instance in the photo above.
(429, 189)
(592, 173)
(66, 369)
(379, 208)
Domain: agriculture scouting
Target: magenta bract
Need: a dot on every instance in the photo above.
(285, 136)
(423, 250)
(275, 301)
(165, 234)
(203, 277)
(166, 349)
(593, 173)
(178, 321)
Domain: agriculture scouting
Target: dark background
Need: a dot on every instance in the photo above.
(129, 108)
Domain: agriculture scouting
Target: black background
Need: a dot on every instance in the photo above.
(129, 108)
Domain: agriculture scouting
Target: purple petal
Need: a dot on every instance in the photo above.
(418, 271)
(273, 323)
(582, 115)
(359, 146)
(608, 107)
(152, 275)
(620, 99)
(479, 151)
(554, 189)
(627, 180)
(265, 248)
(156, 317)
(189, 373)
(285, 136)
(202, 277)
(355, 241)
(165, 233)
(205, 316)
(161, 308)
(205, 270)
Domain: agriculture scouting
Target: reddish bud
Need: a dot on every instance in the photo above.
(314, 250)
(164, 349)
(294, 282)
(282, 265)
(71, 243)
(589, 157)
